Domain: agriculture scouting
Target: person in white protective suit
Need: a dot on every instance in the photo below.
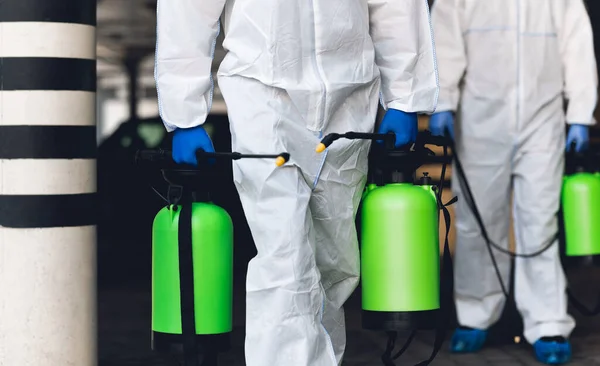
(505, 68)
(295, 71)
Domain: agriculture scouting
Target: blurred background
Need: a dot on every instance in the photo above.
(128, 121)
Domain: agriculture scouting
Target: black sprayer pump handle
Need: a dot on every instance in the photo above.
(201, 154)
(423, 138)
(430, 139)
(581, 161)
(388, 138)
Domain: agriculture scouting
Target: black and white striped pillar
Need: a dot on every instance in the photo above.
(47, 183)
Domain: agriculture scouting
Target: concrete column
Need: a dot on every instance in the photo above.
(47, 183)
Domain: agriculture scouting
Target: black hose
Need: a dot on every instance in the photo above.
(470, 201)
(490, 244)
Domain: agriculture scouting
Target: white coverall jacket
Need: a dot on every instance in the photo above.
(296, 70)
(505, 67)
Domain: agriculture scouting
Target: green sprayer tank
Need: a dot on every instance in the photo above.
(212, 262)
(402, 286)
(580, 201)
(400, 245)
(192, 260)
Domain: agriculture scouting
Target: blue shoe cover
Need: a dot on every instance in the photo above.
(552, 350)
(466, 340)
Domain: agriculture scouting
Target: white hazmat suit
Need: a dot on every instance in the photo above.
(505, 67)
(295, 71)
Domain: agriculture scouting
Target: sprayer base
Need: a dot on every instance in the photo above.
(399, 321)
(173, 343)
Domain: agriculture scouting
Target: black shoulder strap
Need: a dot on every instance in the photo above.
(446, 291)
(186, 281)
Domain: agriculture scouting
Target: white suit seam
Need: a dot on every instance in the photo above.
(435, 66)
(540, 34)
(487, 29)
(527, 34)
(331, 350)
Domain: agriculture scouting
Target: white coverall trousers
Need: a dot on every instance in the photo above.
(531, 167)
(506, 68)
(308, 260)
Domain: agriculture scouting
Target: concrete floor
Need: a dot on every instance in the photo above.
(124, 328)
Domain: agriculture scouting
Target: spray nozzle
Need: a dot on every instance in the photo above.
(282, 159)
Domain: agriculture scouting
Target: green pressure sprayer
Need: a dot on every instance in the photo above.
(580, 200)
(192, 260)
(400, 259)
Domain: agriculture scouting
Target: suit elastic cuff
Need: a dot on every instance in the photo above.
(590, 123)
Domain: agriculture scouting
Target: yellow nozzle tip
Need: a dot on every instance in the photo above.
(321, 148)
(280, 161)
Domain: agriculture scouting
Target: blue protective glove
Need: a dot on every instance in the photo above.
(186, 141)
(580, 135)
(441, 124)
(404, 125)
